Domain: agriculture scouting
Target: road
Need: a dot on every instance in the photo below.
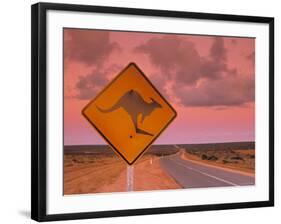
(194, 175)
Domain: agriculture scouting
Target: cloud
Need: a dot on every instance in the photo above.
(234, 42)
(89, 85)
(179, 58)
(197, 80)
(88, 46)
(229, 91)
(251, 58)
(218, 51)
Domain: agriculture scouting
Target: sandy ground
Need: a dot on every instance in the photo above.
(150, 176)
(88, 174)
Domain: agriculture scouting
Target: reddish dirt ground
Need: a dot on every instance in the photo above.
(87, 174)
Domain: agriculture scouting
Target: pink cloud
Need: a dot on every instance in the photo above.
(89, 85)
(232, 90)
(88, 46)
(199, 80)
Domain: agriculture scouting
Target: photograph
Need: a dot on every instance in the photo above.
(147, 111)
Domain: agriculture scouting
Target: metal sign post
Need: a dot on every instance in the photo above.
(130, 178)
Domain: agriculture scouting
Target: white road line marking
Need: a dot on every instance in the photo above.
(206, 174)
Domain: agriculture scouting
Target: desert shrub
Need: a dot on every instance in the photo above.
(213, 158)
(192, 152)
(204, 157)
(77, 161)
(237, 158)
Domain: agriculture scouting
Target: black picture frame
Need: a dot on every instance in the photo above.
(38, 108)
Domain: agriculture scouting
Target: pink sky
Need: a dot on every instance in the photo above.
(209, 81)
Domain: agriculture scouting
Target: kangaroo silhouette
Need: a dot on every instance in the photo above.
(133, 103)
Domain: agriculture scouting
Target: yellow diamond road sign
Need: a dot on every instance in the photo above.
(129, 113)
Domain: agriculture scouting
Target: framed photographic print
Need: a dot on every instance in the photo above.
(139, 111)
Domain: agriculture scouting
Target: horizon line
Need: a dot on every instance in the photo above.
(202, 143)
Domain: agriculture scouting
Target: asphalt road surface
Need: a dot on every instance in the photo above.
(193, 175)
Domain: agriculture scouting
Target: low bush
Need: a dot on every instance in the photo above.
(213, 158)
(204, 157)
(237, 158)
